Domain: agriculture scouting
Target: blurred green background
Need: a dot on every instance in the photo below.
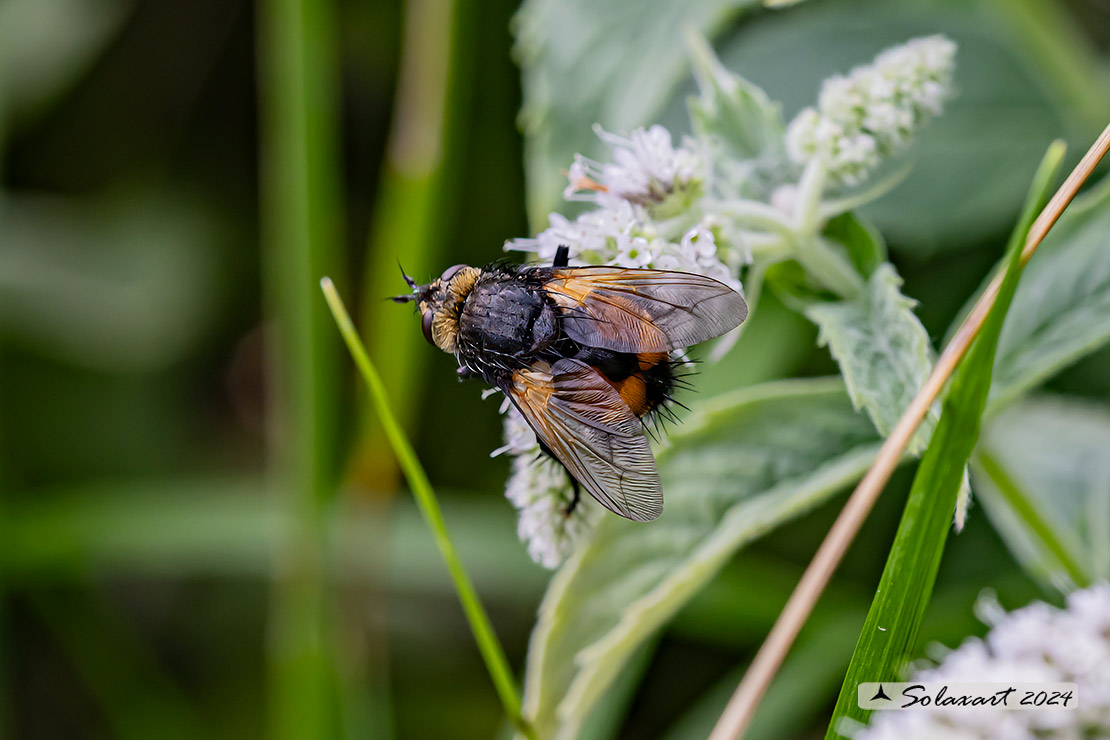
(201, 532)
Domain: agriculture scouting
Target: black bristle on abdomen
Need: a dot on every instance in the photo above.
(662, 380)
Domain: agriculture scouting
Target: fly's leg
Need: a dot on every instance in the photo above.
(574, 498)
(562, 256)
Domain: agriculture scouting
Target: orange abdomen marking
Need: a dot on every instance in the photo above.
(633, 389)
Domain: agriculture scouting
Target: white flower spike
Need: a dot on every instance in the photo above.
(875, 110)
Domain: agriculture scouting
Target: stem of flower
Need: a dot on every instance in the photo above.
(811, 187)
(828, 266)
(827, 209)
(492, 652)
(769, 246)
(752, 214)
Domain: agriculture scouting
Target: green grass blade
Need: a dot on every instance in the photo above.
(891, 629)
(492, 652)
(300, 217)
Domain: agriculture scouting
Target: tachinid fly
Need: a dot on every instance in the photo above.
(583, 353)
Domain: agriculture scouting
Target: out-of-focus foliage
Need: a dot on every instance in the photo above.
(46, 44)
(1060, 309)
(80, 281)
(1045, 482)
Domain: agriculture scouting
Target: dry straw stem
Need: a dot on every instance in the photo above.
(741, 708)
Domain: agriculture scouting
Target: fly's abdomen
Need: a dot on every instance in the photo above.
(644, 380)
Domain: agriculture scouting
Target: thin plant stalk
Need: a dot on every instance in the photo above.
(489, 646)
(744, 702)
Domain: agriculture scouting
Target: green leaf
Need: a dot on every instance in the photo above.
(863, 242)
(585, 62)
(742, 128)
(1060, 311)
(739, 466)
(891, 628)
(1044, 479)
(882, 348)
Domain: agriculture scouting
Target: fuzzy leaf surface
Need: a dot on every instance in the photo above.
(882, 348)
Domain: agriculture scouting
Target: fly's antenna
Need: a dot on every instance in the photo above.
(409, 282)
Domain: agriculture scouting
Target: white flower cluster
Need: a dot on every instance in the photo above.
(625, 229)
(874, 111)
(646, 169)
(625, 236)
(1036, 644)
(540, 490)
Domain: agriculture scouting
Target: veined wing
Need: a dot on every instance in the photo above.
(589, 428)
(632, 310)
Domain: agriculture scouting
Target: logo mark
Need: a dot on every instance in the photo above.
(880, 694)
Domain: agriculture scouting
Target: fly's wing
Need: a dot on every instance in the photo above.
(585, 423)
(630, 310)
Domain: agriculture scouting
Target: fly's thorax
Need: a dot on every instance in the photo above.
(441, 305)
(505, 321)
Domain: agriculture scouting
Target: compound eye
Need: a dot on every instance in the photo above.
(450, 272)
(426, 326)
